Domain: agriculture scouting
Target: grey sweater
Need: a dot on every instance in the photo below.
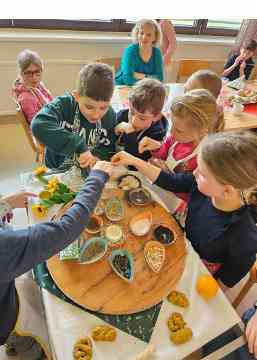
(21, 250)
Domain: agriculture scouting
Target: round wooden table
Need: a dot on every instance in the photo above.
(96, 287)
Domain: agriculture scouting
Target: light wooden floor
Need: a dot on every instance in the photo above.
(16, 157)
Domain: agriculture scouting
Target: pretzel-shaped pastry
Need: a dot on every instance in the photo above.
(104, 333)
(83, 349)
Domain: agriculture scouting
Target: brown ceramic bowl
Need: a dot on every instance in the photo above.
(94, 225)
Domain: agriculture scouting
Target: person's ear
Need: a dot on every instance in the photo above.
(228, 191)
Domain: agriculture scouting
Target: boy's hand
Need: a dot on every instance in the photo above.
(238, 60)
(105, 166)
(123, 158)
(251, 334)
(18, 200)
(124, 127)
(148, 144)
(86, 159)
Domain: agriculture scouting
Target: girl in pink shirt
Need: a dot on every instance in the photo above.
(169, 42)
(28, 89)
(194, 115)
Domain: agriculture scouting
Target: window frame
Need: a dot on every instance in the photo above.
(200, 26)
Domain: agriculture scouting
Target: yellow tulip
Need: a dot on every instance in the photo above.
(39, 210)
(40, 170)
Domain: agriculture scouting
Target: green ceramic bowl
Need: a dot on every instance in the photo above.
(120, 252)
(101, 241)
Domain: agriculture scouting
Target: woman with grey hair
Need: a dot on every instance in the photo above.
(142, 58)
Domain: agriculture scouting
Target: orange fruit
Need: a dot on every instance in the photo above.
(207, 286)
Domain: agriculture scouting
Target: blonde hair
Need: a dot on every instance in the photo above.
(28, 57)
(232, 159)
(140, 24)
(148, 95)
(205, 79)
(96, 81)
(200, 110)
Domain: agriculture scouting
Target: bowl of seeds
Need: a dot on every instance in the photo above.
(93, 250)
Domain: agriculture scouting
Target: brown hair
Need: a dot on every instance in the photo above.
(142, 23)
(205, 79)
(147, 95)
(96, 81)
(28, 57)
(200, 109)
(232, 159)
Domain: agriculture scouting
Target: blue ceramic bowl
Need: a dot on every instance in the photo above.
(131, 263)
(102, 242)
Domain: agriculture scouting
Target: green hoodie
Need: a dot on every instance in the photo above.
(53, 126)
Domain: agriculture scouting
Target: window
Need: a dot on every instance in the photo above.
(225, 27)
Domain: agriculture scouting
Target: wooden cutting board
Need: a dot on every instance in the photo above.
(97, 287)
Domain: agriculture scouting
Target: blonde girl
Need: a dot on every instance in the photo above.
(221, 217)
(194, 115)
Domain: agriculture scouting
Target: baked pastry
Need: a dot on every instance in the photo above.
(83, 349)
(176, 322)
(178, 298)
(104, 333)
(181, 336)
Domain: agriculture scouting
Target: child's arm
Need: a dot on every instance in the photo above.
(251, 334)
(231, 64)
(181, 182)
(148, 144)
(48, 127)
(21, 250)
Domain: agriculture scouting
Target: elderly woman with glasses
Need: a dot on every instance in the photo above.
(28, 89)
(142, 58)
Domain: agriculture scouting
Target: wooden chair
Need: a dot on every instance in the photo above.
(113, 62)
(252, 280)
(187, 67)
(36, 146)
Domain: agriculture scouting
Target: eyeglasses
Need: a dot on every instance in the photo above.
(142, 116)
(32, 73)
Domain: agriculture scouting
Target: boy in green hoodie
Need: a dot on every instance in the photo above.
(80, 123)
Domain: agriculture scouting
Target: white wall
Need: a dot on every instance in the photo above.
(64, 52)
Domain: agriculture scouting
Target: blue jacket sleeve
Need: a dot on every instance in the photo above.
(175, 182)
(128, 65)
(21, 250)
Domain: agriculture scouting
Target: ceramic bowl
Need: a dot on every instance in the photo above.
(141, 223)
(94, 225)
(154, 253)
(114, 209)
(96, 241)
(128, 182)
(164, 234)
(114, 235)
(120, 252)
(139, 197)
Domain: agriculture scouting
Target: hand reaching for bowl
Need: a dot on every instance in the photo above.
(105, 166)
(123, 158)
(87, 159)
(148, 144)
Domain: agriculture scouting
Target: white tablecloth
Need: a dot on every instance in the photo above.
(66, 323)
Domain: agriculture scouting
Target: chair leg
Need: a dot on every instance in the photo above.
(242, 293)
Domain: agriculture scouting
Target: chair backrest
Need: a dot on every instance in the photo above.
(187, 67)
(113, 62)
(37, 147)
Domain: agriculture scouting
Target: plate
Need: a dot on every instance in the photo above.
(89, 246)
(122, 254)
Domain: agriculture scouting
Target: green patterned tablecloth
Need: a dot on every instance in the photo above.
(140, 325)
